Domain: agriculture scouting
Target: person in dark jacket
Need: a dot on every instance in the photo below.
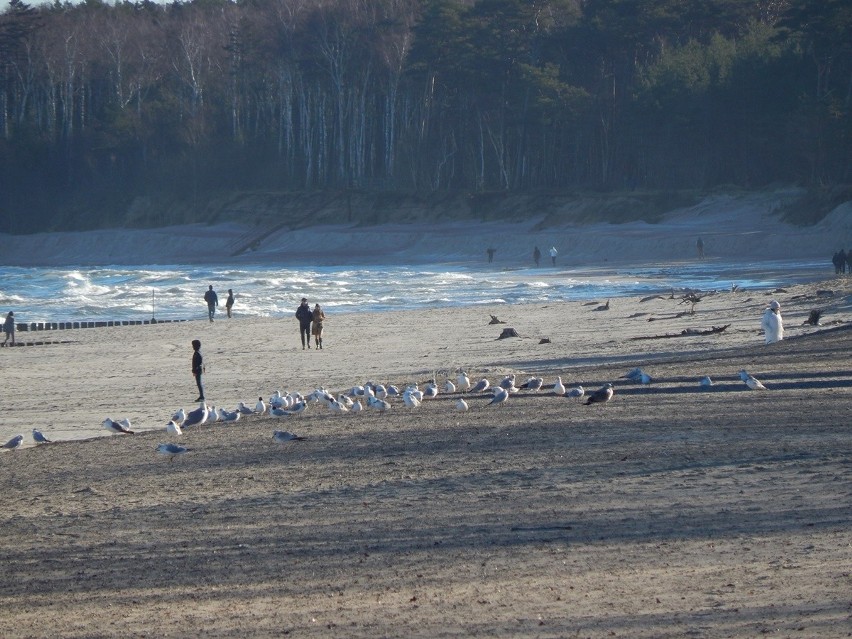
(9, 328)
(212, 302)
(230, 303)
(305, 317)
(198, 368)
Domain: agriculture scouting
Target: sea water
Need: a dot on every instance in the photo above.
(61, 294)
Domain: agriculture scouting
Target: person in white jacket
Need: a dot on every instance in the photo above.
(772, 324)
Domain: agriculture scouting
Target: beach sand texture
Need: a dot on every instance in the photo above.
(670, 511)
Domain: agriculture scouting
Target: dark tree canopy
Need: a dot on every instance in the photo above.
(104, 103)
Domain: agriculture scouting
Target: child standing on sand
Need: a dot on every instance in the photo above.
(198, 368)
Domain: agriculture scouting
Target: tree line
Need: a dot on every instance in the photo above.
(101, 103)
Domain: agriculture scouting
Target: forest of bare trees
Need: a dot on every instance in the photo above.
(102, 102)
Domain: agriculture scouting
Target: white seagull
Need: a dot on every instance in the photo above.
(577, 392)
(14, 443)
(600, 396)
(115, 427)
(410, 399)
(508, 382)
(461, 404)
(179, 417)
(449, 387)
(39, 437)
(260, 407)
(171, 450)
(197, 416)
(283, 437)
(481, 385)
(380, 405)
(500, 397)
(463, 381)
(431, 390)
(533, 384)
(559, 387)
(172, 428)
(752, 382)
(357, 407)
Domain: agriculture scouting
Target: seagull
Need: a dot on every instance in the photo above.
(172, 428)
(179, 417)
(431, 390)
(634, 374)
(380, 405)
(357, 407)
(171, 450)
(277, 411)
(481, 385)
(197, 416)
(283, 437)
(393, 391)
(577, 392)
(229, 416)
(115, 427)
(449, 387)
(533, 384)
(463, 381)
(600, 396)
(14, 443)
(706, 381)
(380, 391)
(559, 387)
(276, 399)
(126, 423)
(752, 382)
(243, 409)
(337, 407)
(39, 437)
(343, 400)
(461, 404)
(260, 407)
(298, 407)
(508, 382)
(410, 399)
(500, 396)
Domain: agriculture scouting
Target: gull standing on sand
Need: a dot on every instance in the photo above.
(172, 428)
(533, 384)
(449, 387)
(243, 409)
(171, 450)
(601, 396)
(380, 405)
(115, 427)
(14, 443)
(260, 407)
(559, 387)
(500, 397)
(463, 381)
(508, 382)
(229, 416)
(461, 404)
(752, 382)
(39, 438)
(482, 385)
(772, 324)
(357, 407)
(197, 416)
(179, 417)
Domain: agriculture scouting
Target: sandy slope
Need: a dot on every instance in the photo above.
(668, 512)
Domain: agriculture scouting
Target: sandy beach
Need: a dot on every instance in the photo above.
(670, 511)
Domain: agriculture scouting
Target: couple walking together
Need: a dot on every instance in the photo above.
(308, 317)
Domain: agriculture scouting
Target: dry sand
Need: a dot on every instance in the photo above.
(671, 511)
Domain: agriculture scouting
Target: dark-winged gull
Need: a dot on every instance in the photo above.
(532, 384)
(197, 416)
(500, 397)
(576, 393)
(115, 427)
(284, 437)
(480, 386)
(600, 396)
(39, 437)
(171, 450)
(14, 443)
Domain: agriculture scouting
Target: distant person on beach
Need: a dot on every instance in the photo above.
(553, 253)
(198, 368)
(841, 260)
(212, 302)
(9, 328)
(490, 252)
(305, 317)
(699, 245)
(772, 324)
(536, 256)
(229, 304)
(849, 261)
(317, 317)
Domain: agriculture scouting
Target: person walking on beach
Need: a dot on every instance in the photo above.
(9, 328)
(198, 368)
(553, 253)
(305, 317)
(490, 252)
(536, 256)
(772, 324)
(699, 245)
(317, 317)
(229, 304)
(212, 302)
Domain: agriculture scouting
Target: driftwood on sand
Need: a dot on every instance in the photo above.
(494, 320)
(508, 332)
(687, 332)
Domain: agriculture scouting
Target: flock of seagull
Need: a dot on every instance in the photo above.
(376, 397)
